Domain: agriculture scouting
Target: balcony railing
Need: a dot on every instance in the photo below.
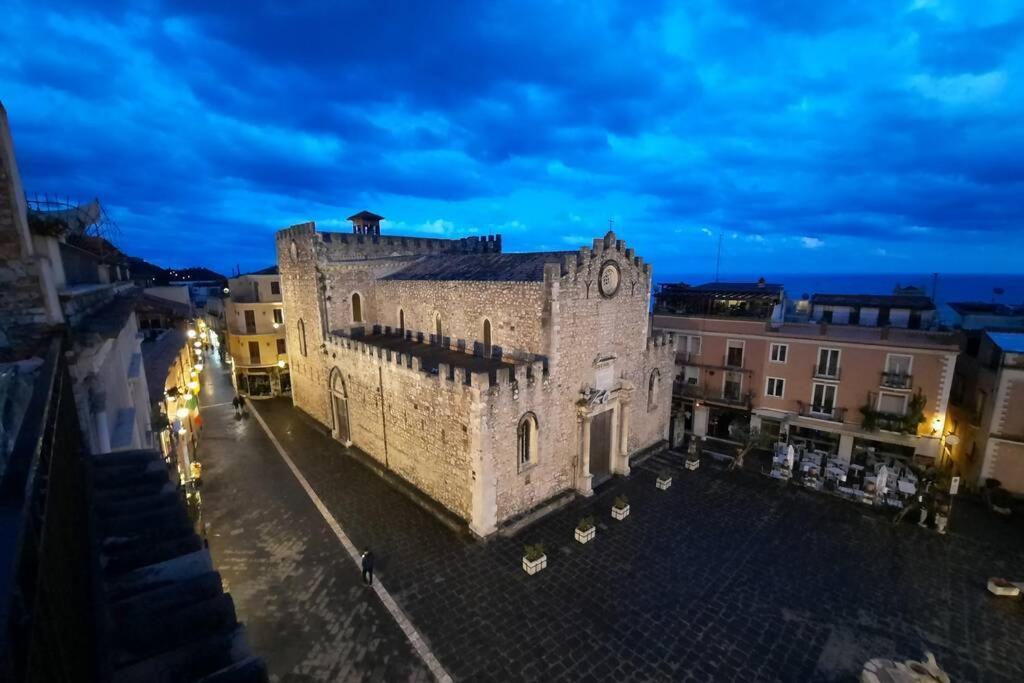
(692, 390)
(822, 412)
(47, 595)
(736, 363)
(896, 380)
(820, 371)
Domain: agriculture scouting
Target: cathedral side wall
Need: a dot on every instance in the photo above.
(414, 423)
(514, 309)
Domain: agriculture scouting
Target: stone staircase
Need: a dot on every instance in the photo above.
(167, 618)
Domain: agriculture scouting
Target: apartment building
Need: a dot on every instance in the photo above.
(986, 414)
(254, 318)
(844, 373)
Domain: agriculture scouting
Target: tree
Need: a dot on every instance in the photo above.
(750, 439)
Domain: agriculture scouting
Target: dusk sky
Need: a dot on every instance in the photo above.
(842, 135)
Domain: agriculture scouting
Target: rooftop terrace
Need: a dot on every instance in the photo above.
(432, 352)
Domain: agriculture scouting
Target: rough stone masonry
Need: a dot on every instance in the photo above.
(490, 381)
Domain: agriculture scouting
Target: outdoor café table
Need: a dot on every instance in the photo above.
(907, 487)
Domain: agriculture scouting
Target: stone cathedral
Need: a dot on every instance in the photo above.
(490, 381)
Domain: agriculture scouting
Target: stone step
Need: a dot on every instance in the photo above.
(126, 559)
(190, 662)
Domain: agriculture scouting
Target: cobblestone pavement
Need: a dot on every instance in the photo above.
(299, 595)
(721, 577)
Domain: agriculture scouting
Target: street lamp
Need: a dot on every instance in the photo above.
(191, 334)
(182, 413)
(280, 363)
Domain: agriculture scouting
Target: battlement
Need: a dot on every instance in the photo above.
(340, 246)
(576, 262)
(662, 344)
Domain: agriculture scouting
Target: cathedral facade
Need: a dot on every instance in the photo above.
(490, 381)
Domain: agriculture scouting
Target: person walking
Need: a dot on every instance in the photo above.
(368, 567)
(237, 403)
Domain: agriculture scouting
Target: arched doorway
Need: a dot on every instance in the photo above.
(339, 408)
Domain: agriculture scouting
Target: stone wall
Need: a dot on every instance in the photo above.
(515, 310)
(456, 439)
(414, 423)
(23, 312)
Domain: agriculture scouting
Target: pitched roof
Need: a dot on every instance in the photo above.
(522, 267)
(149, 302)
(1011, 342)
(365, 215)
(917, 303)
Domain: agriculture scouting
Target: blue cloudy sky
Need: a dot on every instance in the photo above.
(849, 134)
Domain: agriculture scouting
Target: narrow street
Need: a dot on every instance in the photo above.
(296, 590)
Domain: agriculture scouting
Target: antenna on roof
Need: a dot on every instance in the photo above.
(718, 258)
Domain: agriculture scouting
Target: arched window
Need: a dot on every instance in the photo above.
(487, 338)
(357, 308)
(401, 321)
(301, 325)
(437, 328)
(526, 441)
(652, 390)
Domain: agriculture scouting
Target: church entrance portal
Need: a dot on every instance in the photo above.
(601, 446)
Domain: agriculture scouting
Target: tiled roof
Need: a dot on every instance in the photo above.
(528, 267)
(366, 215)
(920, 303)
(1011, 342)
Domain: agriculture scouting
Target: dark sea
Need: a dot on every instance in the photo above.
(988, 287)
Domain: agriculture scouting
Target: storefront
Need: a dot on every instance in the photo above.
(814, 439)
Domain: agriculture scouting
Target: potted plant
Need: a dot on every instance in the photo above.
(692, 456)
(585, 530)
(534, 558)
(620, 508)
(664, 479)
(1003, 587)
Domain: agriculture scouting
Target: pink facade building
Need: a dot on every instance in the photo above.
(843, 373)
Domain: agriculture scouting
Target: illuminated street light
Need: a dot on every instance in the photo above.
(197, 344)
(280, 363)
(191, 334)
(193, 385)
(182, 412)
(199, 367)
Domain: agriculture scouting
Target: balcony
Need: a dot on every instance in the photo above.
(820, 371)
(692, 390)
(733, 361)
(821, 412)
(896, 380)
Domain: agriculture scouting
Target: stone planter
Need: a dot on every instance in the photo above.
(692, 464)
(663, 483)
(620, 513)
(535, 566)
(586, 536)
(1003, 587)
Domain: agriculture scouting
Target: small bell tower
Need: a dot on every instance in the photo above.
(366, 223)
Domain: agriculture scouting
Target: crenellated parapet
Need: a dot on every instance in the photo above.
(584, 260)
(663, 344)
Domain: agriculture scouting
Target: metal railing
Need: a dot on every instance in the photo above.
(48, 582)
(822, 412)
(896, 380)
(820, 371)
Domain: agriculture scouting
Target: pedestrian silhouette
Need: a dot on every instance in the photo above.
(368, 567)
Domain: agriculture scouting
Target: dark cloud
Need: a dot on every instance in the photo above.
(208, 125)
